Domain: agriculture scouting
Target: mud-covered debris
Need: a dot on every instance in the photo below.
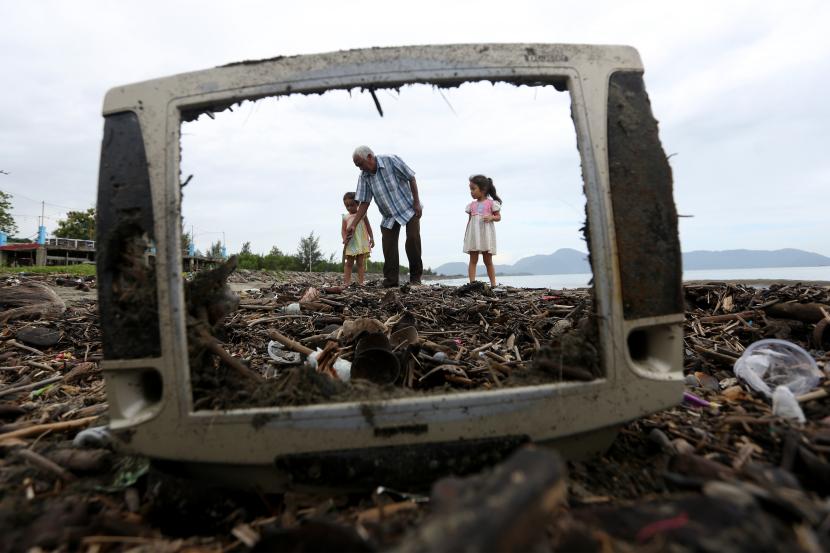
(38, 336)
(29, 299)
(727, 475)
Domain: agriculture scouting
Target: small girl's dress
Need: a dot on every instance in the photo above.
(481, 236)
(359, 244)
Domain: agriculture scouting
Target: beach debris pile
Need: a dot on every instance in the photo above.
(368, 342)
(719, 472)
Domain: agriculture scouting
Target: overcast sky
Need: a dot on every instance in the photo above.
(739, 89)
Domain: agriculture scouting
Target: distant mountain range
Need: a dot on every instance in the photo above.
(568, 261)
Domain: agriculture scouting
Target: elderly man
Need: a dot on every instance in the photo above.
(392, 184)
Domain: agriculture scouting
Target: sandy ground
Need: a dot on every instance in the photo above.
(240, 286)
(71, 295)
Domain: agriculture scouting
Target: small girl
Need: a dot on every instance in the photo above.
(480, 236)
(357, 249)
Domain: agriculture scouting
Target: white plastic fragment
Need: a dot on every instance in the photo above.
(96, 436)
(278, 353)
(785, 405)
(291, 308)
(342, 367)
(312, 358)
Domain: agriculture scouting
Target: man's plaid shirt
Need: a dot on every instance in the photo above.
(389, 186)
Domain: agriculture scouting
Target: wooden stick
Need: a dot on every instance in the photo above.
(724, 318)
(474, 353)
(46, 464)
(40, 428)
(716, 354)
(17, 344)
(42, 366)
(257, 307)
(810, 396)
(430, 345)
(276, 318)
(215, 348)
(804, 312)
(289, 343)
(33, 385)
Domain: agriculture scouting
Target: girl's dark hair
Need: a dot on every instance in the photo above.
(348, 196)
(485, 184)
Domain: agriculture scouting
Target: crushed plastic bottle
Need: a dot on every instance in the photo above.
(785, 405)
(767, 364)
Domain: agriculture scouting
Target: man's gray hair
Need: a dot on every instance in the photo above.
(362, 152)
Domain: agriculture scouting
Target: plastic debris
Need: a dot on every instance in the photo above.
(95, 437)
(128, 471)
(310, 295)
(769, 363)
(342, 367)
(291, 308)
(695, 400)
(785, 405)
(281, 355)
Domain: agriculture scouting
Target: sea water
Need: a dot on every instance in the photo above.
(583, 279)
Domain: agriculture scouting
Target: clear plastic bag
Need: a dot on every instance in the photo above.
(767, 364)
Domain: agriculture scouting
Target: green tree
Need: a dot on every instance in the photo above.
(215, 250)
(79, 225)
(7, 223)
(275, 251)
(308, 251)
(249, 260)
(185, 241)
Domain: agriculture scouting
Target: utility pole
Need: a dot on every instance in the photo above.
(41, 230)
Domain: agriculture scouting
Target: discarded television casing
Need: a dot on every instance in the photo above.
(635, 257)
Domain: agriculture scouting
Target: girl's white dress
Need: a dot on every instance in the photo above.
(481, 236)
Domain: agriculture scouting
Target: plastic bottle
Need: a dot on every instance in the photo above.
(767, 364)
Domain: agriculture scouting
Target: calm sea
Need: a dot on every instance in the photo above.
(580, 280)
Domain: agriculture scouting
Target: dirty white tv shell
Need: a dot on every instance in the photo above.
(637, 285)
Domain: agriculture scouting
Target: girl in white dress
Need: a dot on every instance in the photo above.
(480, 236)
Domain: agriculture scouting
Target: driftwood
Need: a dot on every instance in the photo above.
(769, 485)
(29, 299)
(804, 312)
(503, 511)
(41, 428)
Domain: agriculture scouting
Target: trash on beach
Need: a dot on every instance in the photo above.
(291, 309)
(282, 356)
(342, 367)
(312, 294)
(785, 405)
(771, 363)
(374, 360)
